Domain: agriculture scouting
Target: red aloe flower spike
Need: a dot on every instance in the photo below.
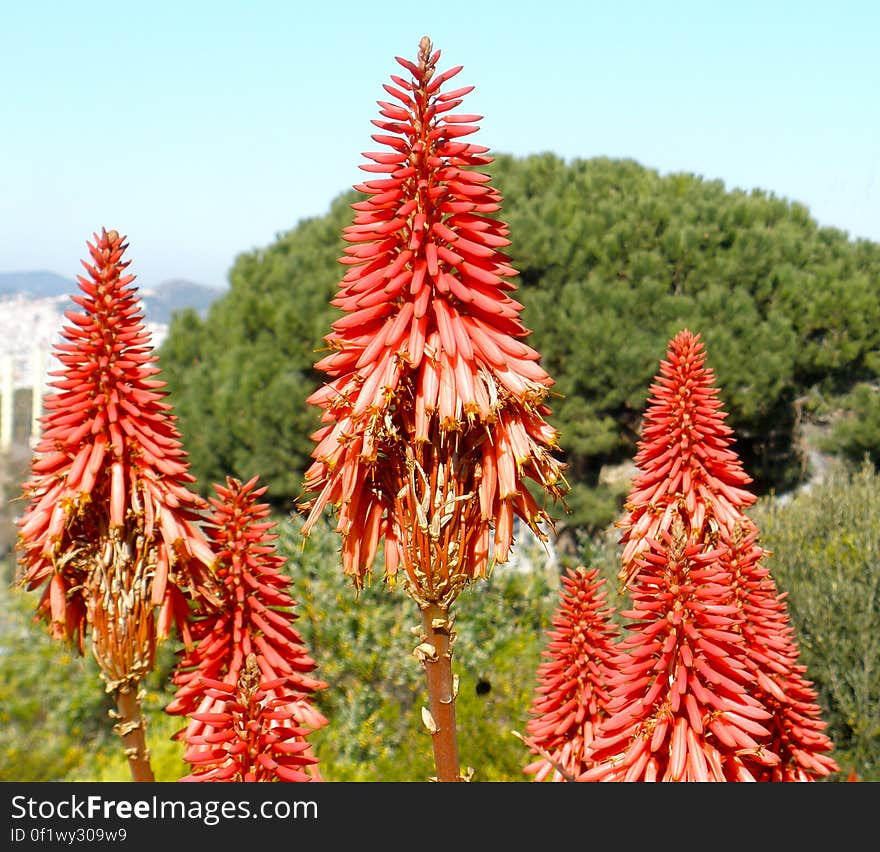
(111, 530)
(796, 728)
(433, 420)
(571, 695)
(684, 457)
(255, 620)
(433, 388)
(250, 735)
(681, 705)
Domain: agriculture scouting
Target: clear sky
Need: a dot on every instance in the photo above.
(204, 129)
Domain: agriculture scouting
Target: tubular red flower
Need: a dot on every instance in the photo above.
(250, 735)
(254, 622)
(433, 420)
(571, 695)
(111, 529)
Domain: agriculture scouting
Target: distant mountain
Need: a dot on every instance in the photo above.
(176, 295)
(36, 284)
(159, 302)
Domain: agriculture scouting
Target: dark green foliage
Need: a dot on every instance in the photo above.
(856, 432)
(614, 260)
(826, 558)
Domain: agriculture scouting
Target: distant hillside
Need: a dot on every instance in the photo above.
(159, 302)
(176, 295)
(35, 284)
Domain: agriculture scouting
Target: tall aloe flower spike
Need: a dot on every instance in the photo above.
(571, 694)
(433, 419)
(111, 530)
(704, 476)
(710, 690)
(246, 686)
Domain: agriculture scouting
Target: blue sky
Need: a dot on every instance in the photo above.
(202, 130)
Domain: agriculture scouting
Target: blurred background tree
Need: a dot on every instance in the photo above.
(614, 259)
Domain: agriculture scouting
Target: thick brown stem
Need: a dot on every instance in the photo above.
(436, 657)
(132, 729)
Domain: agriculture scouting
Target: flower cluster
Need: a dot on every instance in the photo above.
(796, 728)
(111, 529)
(251, 733)
(707, 685)
(682, 706)
(241, 717)
(433, 418)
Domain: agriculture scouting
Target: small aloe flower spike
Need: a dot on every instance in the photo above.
(253, 734)
(685, 457)
(433, 420)
(246, 686)
(111, 529)
(571, 695)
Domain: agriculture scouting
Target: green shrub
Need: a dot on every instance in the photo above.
(826, 557)
(53, 711)
(855, 433)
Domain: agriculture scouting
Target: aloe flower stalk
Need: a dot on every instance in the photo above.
(433, 419)
(685, 457)
(111, 531)
(701, 696)
(246, 685)
(571, 694)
